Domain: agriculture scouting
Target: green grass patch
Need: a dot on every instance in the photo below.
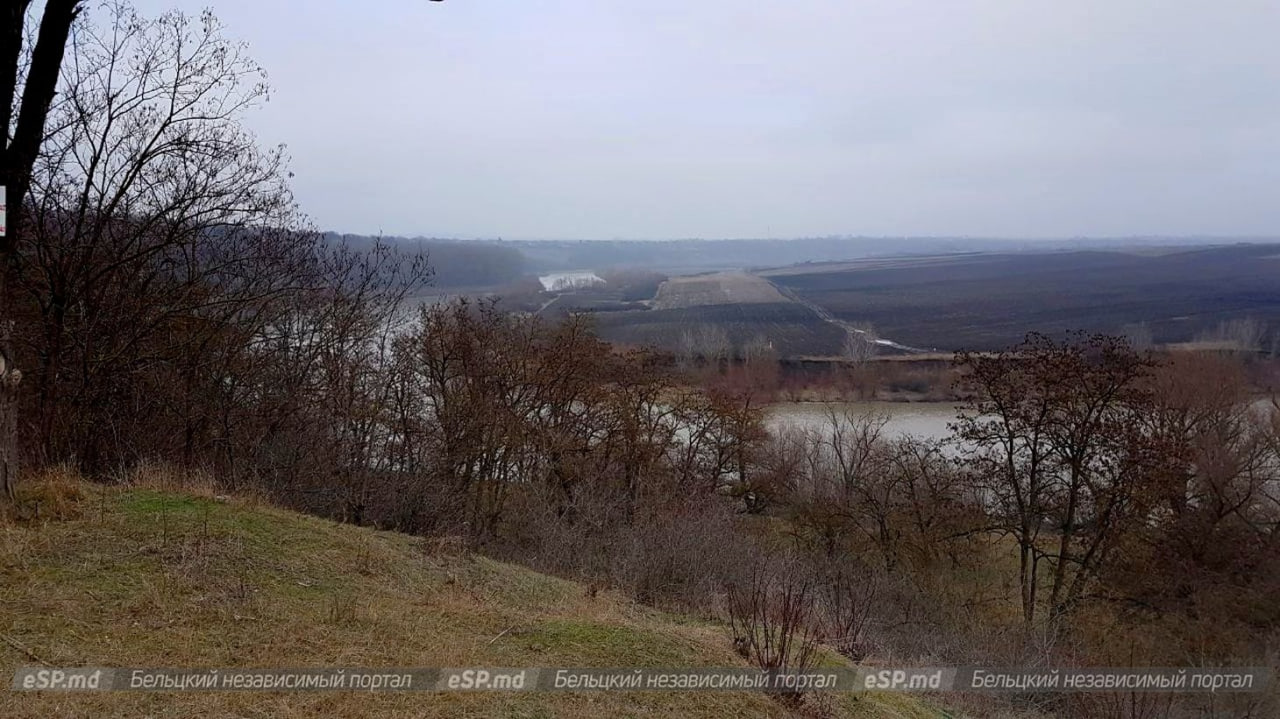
(153, 577)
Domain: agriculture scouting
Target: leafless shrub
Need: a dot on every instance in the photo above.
(846, 603)
(772, 618)
(677, 556)
(681, 561)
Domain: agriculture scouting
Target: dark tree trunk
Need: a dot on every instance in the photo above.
(20, 145)
(9, 378)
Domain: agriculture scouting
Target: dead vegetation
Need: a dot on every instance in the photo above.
(150, 575)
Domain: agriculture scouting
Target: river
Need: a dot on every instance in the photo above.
(925, 420)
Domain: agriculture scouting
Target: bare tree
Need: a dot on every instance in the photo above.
(156, 224)
(846, 600)
(687, 350)
(772, 618)
(1244, 334)
(1215, 517)
(845, 490)
(714, 344)
(860, 344)
(759, 349)
(19, 145)
(1056, 443)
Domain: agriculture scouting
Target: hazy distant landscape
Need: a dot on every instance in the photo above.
(1160, 291)
(987, 301)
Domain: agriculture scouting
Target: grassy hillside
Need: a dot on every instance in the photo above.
(153, 575)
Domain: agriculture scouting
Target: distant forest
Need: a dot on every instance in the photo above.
(456, 263)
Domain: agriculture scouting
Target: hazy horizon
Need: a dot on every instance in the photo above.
(1188, 240)
(600, 120)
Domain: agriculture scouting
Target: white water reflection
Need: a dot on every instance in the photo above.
(924, 420)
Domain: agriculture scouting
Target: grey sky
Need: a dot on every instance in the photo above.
(711, 118)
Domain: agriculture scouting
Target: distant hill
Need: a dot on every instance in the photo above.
(987, 301)
(457, 263)
(487, 263)
(686, 256)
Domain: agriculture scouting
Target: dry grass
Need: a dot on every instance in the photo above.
(158, 572)
(53, 495)
(170, 478)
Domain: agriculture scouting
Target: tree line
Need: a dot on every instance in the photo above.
(454, 263)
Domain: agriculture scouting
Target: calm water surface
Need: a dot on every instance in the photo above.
(926, 420)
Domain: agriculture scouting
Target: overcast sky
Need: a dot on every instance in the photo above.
(712, 118)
